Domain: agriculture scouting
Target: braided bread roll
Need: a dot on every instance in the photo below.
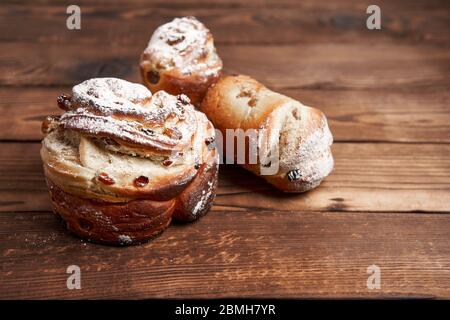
(181, 59)
(120, 163)
(294, 137)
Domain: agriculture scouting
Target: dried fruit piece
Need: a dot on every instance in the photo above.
(210, 143)
(293, 175)
(149, 132)
(141, 181)
(153, 76)
(247, 93)
(267, 165)
(92, 92)
(175, 39)
(85, 224)
(104, 178)
(63, 102)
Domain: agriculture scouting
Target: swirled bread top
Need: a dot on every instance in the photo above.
(118, 129)
(128, 114)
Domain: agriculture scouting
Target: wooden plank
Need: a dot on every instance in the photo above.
(353, 115)
(300, 22)
(386, 203)
(26, 109)
(235, 3)
(382, 114)
(234, 254)
(367, 177)
(309, 66)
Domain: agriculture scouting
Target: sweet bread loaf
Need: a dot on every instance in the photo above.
(120, 163)
(181, 59)
(292, 138)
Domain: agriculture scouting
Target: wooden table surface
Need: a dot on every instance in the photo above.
(385, 93)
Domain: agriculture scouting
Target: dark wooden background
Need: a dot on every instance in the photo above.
(386, 95)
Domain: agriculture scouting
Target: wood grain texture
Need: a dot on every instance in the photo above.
(309, 66)
(385, 93)
(272, 22)
(353, 115)
(367, 177)
(245, 254)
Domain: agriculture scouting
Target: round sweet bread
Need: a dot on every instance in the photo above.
(120, 163)
(181, 58)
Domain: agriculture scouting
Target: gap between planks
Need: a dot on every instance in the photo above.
(370, 115)
(367, 177)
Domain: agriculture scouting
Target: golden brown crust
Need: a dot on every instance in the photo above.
(136, 221)
(111, 223)
(197, 198)
(299, 133)
(195, 87)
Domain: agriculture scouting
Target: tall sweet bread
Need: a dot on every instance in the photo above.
(294, 140)
(181, 59)
(120, 163)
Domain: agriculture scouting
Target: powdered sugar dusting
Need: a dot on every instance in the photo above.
(128, 113)
(111, 94)
(184, 43)
(305, 141)
(204, 199)
(124, 239)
